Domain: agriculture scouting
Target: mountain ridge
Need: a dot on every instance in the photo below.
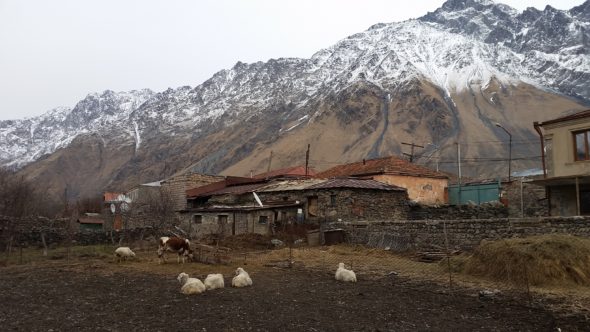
(390, 71)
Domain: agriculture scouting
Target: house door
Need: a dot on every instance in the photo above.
(312, 206)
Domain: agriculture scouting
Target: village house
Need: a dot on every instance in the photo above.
(177, 185)
(423, 184)
(565, 150)
(250, 205)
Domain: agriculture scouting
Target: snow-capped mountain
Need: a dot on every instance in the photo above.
(24, 141)
(554, 45)
(446, 76)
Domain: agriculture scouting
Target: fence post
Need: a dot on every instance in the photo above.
(448, 256)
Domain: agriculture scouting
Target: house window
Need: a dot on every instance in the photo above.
(582, 145)
(197, 219)
(263, 220)
(222, 219)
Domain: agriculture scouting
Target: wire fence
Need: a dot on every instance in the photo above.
(448, 268)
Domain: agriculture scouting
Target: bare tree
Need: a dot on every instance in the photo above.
(149, 207)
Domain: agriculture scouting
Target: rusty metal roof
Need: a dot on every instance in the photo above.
(213, 188)
(296, 171)
(357, 184)
(388, 165)
(113, 197)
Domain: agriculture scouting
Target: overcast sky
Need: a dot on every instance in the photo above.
(53, 53)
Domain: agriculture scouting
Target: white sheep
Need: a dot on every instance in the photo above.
(123, 253)
(242, 278)
(190, 285)
(343, 274)
(214, 281)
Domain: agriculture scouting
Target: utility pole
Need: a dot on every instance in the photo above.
(307, 160)
(459, 169)
(411, 154)
(269, 162)
(509, 150)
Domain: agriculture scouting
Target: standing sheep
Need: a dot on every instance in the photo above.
(123, 253)
(242, 278)
(190, 285)
(214, 281)
(343, 274)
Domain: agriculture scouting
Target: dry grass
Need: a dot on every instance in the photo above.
(548, 260)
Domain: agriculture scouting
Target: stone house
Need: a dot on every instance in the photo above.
(261, 206)
(565, 151)
(424, 185)
(177, 185)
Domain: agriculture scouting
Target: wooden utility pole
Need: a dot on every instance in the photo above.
(411, 154)
(269, 162)
(307, 160)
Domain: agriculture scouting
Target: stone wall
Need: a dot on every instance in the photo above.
(347, 204)
(27, 232)
(458, 212)
(176, 186)
(416, 235)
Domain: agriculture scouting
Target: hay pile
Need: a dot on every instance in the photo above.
(543, 260)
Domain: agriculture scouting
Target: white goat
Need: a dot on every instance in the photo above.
(190, 285)
(242, 278)
(123, 253)
(343, 274)
(214, 281)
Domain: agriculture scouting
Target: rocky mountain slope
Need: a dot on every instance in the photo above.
(447, 77)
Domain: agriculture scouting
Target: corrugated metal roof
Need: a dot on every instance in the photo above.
(357, 184)
(288, 185)
(296, 171)
(213, 188)
(113, 197)
(388, 165)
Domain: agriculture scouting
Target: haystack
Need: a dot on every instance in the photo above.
(538, 260)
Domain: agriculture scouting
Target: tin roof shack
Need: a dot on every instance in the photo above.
(91, 222)
(565, 148)
(345, 199)
(424, 185)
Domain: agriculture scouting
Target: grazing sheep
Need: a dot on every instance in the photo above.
(123, 253)
(214, 281)
(190, 285)
(242, 278)
(343, 274)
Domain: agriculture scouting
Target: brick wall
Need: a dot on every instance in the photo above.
(461, 234)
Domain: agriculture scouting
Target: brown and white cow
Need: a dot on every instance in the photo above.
(174, 244)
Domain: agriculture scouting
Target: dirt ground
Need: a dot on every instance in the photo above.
(100, 295)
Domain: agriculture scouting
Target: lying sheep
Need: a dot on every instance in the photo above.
(123, 253)
(214, 281)
(343, 274)
(242, 278)
(190, 285)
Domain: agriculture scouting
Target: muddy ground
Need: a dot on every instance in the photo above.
(101, 296)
